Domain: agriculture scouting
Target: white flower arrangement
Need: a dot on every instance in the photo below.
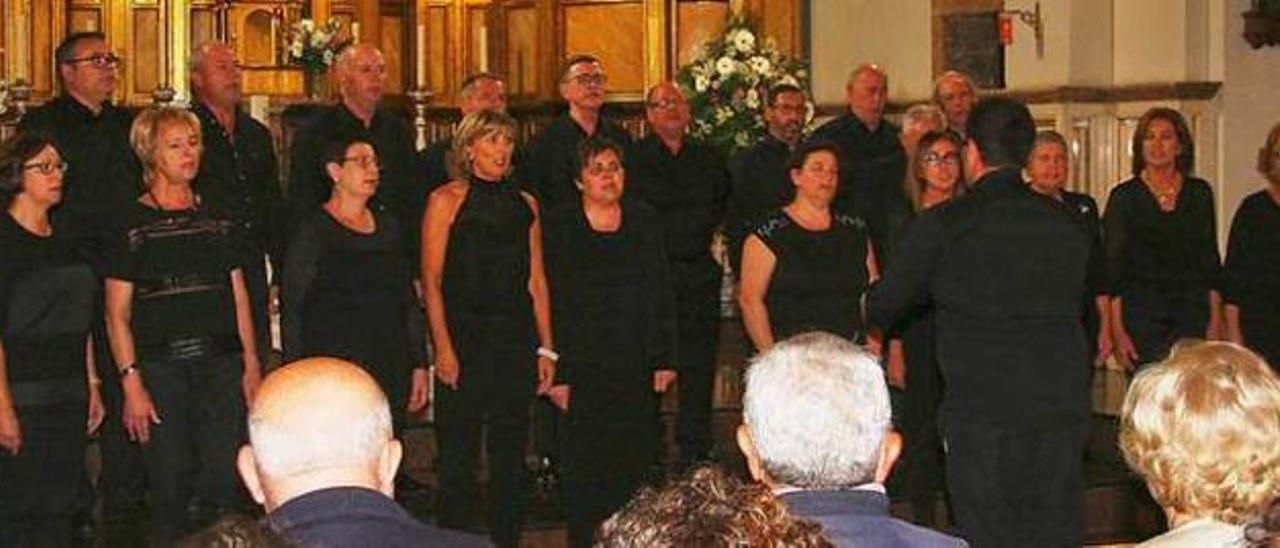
(314, 47)
(728, 82)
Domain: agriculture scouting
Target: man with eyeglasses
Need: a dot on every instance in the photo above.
(687, 183)
(361, 75)
(103, 176)
(238, 171)
(547, 168)
(758, 175)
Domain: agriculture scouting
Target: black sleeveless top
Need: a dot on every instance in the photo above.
(819, 277)
(486, 266)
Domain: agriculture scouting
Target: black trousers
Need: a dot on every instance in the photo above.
(1157, 317)
(1017, 485)
(697, 340)
(122, 483)
(39, 486)
(1260, 325)
(606, 461)
(193, 449)
(497, 372)
(255, 281)
(919, 473)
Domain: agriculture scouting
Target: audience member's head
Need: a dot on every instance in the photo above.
(361, 72)
(1264, 532)
(1269, 156)
(315, 424)
(867, 91)
(955, 93)
(215, 75)
(1000, 135)
(482, 91)
(86, 67)
(237, 531)
(1203, 429)
(918, 120)
(816, 415)
(707, 508)
(785, 112)
(1162, 139)
(582, 83)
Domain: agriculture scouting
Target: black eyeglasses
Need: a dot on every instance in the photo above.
(664, 104)
(363, 161)
(934, 158)
(46, 168)
(589, 79)
(98, 60)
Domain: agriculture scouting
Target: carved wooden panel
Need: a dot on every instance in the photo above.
(439, 58)
(204, 26)
(614, 33)
(144, 63)
(392, 42)
(522, 52)
(83, 19)
(697, 23)
(257, 40)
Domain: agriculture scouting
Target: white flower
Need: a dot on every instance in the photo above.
(295, 49)
(725, 66)
(307, 25)
(753, 99)
(744, 41)
(318, 40)
(760, 65)
(700, 83)
(328, 57)
(723, 114)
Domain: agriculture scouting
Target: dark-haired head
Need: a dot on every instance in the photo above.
(14, 155)
(922, 157)
(1186, 161)
(336, 152)
(576, 59)
(592, 147)
(1269, 156)
(1003, 131)
(66, 50)
(780, 89)
(809, 148)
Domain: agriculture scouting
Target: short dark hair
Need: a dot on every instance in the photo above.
(336, 152)
(1186, 161)
(471, 81)
(1003, 130)
(594, 146)
(1269, 149)
(915, 179)
(809, 148)
(573, 60)
(779, 89)
(66, 49)
(14, 153)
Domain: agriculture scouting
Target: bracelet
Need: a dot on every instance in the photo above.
(131, 369)
(548, 353)
(95, 382)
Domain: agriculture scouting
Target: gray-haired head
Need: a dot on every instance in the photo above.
(817, 409)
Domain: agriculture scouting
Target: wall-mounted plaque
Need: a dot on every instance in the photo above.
(972, 46)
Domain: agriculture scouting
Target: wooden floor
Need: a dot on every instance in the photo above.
(1119, 511)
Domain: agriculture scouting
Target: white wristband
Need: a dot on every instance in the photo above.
(548, 353)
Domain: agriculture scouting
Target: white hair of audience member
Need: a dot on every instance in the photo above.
(817, 408)
(924, 113)
(356, 441)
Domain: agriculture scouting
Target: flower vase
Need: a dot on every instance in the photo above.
(317, 86)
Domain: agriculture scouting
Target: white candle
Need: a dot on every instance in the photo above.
(484, 49)
(355, 32)
(421, 53)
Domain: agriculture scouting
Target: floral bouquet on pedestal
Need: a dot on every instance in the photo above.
(728, 83)
(314, 47)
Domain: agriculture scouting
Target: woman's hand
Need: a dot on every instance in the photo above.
(559, 396)
(1106, 347)
(447, 369)
(419, 396)
(97, 412)
(546, 374)
(1125, 351)
(896, 366)
(139, 412)
(10, 430)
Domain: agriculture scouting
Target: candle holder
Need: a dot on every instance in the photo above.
(420, 97)
(163, 95)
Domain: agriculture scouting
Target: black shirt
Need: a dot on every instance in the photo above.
(872, 167)
(239, 170)
(103, 175)
(1004, 268)
(486, 267)
(47, 299)
(1253, 252)
(761, 183)
(350, 295)
(1148, 248)
(548, 168)
(180, 264)
(614, 309)
(818, 278)
(688, 190)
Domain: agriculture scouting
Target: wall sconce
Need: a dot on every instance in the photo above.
(1033, 19)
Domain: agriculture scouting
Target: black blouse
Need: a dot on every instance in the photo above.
(819, 277)
(486, 267)
(1253, 252)
(1154, 249)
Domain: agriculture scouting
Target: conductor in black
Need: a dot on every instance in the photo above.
(1004, 268)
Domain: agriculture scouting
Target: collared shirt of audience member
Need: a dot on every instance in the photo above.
(872, 161)
(47, 376)
(687, 184)
(489, 317)
(816, 430)
(238, 168)
(615, 316)
(1252, 287)
(348, 287)
(1015, 408)
(322, 461)
(955, 93)
(1200, 427)
(1163, 265)
(361, 74)
(548, 167)
(181, 327)
(758, 174)
(1047, 171)
(807, 265)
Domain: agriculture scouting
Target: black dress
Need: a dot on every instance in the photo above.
(350, 295)
(490, 319)
(1253, 273)
(615, 320)
(819, 277)
(47, 296)
(1162, 264)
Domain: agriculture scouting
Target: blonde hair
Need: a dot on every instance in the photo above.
(476, 126)
(146, 127)
(1203, 429)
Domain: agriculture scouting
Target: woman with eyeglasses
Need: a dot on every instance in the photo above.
(347, 290)
(181, 329)
(47, 378)
(806, 267)
(1252, 288)
(489, 314)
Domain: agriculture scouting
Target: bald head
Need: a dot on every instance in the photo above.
(215, 75)
(314, 424)
(867, 92)
(362, 73)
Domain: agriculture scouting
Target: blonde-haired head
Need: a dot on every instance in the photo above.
(145, 132)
